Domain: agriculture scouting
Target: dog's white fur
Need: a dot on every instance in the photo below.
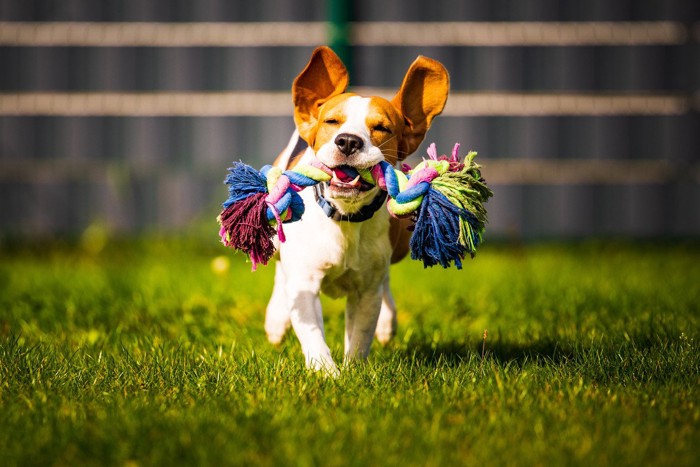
(340, 258)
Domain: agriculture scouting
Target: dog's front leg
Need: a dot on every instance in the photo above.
(361, 316)
(307, 320)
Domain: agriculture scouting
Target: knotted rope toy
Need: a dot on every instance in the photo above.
(444, 196)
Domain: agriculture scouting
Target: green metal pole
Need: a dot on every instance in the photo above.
(339, 16)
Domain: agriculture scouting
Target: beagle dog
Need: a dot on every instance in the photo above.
(346, 239)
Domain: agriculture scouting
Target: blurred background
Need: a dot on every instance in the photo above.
(126, 114)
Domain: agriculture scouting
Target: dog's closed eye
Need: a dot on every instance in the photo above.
(381, 128)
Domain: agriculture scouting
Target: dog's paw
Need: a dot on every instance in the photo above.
(329, 370)
(323, 364)
(276, 338)
(385, 331)
(386, 326)
(276, 330)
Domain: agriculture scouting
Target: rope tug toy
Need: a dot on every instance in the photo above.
(444, 196)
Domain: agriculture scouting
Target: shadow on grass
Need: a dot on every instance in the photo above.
(645, 359)
(457, 353)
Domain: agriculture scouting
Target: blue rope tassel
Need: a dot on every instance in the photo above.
(435, 238)
(243, 181)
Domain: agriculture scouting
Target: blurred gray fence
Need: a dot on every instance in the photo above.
(584, 114)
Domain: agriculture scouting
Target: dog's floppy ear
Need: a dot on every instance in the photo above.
(421, 98)
(324, 77)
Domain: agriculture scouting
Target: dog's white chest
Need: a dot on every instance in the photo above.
(348, 255)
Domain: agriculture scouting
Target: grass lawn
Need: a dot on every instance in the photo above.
(152, 352)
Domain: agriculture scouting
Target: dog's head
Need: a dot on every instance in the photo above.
(347, 130)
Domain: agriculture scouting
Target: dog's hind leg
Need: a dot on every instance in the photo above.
(361, 322)
(386, 324)
(277, 320)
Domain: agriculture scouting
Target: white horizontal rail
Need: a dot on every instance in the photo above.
(420, 34)
(519, 33)
(496, 171)
(194, 104)
(162, 34)
(583, 172)
(261, 104)
(461, 104)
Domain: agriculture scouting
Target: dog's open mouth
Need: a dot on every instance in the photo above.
(347, 179)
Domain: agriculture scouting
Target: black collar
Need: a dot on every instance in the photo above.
(363, 214)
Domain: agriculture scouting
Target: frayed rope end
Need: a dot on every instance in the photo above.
(451, 218)
(244, 227)
(244, 220)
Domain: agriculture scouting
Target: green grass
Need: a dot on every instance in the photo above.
(141, 353)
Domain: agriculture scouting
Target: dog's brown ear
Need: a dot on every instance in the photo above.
(324, 77)
(421, 98)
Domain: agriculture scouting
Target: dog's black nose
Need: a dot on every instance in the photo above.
(348, 144)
